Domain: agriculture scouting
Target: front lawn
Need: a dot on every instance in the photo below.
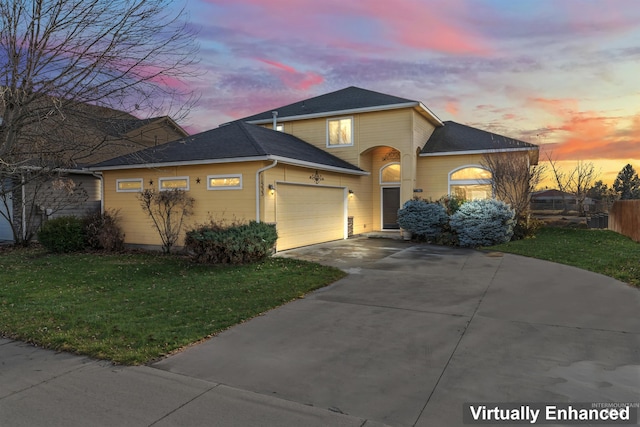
(133, 308)
(601, 251)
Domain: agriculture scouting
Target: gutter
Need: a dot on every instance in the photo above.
(258, 172)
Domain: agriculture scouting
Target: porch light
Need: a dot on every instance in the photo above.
(272, 189)
(350, 193)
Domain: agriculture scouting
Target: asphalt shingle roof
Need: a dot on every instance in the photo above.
(236, 140)
(453, 137)
(351, 98)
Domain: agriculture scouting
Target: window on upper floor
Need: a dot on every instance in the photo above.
(470, 183)
(340, 132)
(133, 185)
(174, 183)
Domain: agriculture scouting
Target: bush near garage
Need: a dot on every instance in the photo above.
(423, 219)
(483, 223)
(63, 234)
(216, 243)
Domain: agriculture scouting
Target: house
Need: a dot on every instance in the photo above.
(320, 169)
(42, 189)
(558, 200)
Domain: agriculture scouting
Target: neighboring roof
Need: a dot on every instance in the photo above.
(119, 127)
(345, 101)
(455, 138)
(550, 194)
(234, 142)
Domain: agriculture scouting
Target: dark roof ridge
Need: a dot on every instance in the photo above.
(259, 148)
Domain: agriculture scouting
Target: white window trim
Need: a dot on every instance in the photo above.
(174, 178)
(329, 145)
(390, 183)
(230, 187)
(118, 181)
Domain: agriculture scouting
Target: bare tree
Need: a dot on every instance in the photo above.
(514, 178)
(68, 67)
(167, 210)
(577, 181)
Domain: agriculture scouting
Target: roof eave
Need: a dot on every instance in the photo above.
(413, 104)
(488, 151)
(280, 159)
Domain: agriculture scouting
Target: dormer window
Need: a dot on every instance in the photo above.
(340, 132)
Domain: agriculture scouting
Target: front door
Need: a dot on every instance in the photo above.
(390, 206)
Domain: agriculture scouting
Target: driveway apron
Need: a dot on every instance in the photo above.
(416, 330)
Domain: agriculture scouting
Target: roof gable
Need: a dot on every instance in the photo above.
(344, 101)
(455, 138)
(236, 141)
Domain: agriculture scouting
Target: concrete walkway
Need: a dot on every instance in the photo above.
(412, 333)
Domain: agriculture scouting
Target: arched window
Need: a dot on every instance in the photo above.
(470, 183)
(390, 174)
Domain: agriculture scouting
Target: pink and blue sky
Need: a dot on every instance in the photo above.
(564, 74)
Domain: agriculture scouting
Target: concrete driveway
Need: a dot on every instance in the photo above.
(414, 331)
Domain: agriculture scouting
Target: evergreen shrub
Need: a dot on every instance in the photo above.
(63, 234)
(483, 223)
(215, 243)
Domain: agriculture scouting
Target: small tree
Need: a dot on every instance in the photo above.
(577, 181)
(514, 178)
(627, 183)
(167, 209)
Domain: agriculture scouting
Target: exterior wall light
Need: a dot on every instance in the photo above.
(272, 189)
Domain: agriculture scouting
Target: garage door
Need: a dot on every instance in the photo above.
(308, 214)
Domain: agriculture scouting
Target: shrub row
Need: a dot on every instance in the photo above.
(73, 234)
(449, 220)
(215, 243)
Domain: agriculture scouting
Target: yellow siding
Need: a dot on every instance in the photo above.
(422, 130)
(433, 173)
(385, 128)
(210, 204)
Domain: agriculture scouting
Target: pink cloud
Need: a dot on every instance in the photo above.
(452, 108)
(291, 77)
(589, 135)
(435, 26)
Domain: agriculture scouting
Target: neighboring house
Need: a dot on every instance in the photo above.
(558, 200)
(101, 134)
(339, 163)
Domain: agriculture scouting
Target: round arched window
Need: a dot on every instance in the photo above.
(470, 183)
(390, 174)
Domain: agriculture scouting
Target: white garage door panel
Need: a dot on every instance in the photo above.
(307, 214)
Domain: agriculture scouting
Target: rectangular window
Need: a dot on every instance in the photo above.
(224, 182)
(174, 183)
(129, 185)
(340, 132)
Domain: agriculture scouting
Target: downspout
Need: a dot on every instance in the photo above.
(275, 120)
(275, 162)
(101, 178)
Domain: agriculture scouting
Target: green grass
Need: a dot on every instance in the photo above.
(133, 308)
(601, 251)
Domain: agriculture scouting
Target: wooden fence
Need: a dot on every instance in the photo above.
(624, 218)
